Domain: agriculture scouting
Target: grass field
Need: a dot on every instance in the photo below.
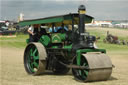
(18, 42)
(12, 70)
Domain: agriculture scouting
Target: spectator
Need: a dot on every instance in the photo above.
(57, 29)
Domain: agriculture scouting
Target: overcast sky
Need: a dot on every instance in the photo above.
(99, 9)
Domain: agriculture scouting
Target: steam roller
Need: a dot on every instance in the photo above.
(61, 50)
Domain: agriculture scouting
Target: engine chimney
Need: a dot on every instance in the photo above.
(83, 40)
(81, 11)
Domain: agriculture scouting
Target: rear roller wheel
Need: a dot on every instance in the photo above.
(35, 58)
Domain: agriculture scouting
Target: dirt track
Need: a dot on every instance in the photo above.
(13, 73)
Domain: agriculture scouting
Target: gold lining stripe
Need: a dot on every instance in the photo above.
(82, 12)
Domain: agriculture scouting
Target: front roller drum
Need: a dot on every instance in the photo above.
(35, 59)
(99, 67)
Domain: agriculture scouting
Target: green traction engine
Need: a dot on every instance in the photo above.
(64, 50)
